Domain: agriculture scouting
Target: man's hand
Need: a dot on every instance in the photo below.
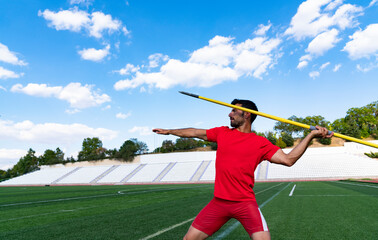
(321, 132)
(161, 131)
(288, 159)
(184, 132)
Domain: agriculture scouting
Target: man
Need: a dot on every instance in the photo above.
(239, 153)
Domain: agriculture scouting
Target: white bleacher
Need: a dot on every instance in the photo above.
(181, 172)
(84, 175)
(209, 174)
(319, 163)
(316, 163)
(42, 177)
(148, 173)
(118, 174)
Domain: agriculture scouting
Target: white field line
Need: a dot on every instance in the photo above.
(125, 192)
(44, 214)
(167, 229)
(361, 185)
(122, 192)
(292, 190)
(268, 188)
(329, 195)
(57, 200)
(226, 232)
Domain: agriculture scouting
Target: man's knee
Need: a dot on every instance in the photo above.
(195, 234)
(260, 236)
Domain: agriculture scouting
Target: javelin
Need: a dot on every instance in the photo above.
(280, 119)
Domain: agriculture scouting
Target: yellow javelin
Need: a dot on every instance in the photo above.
(281, 119)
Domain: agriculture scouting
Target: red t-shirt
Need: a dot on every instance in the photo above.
(238, 155)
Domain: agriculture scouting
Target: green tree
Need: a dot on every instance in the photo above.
(280, 143)
(167, 146)
(3, 175)
(141, 146)
(91, 150)
(111, 153)
(271, 136)
(366, 118)
(26, 164)
(51, 157)
(127, 151)
(288, 139)
(188, 143)
(359, 122)
(289, 128)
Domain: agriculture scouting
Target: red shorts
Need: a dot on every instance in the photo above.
(218, 211)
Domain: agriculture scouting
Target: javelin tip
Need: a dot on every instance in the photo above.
(189, 94)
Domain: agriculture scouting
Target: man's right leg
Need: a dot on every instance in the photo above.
(195, 234)
(208, 221)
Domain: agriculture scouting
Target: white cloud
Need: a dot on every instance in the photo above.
(128, 69)
(72, 111)
(95, 55)
(125, 31)
(262, 29)
(51, 133)
(72, 19)
(9, 57)
(364, 43)
(302, 64)
(107, 107)
(123, 116)
(40, 90)
(323, 66)
(312, 18)
(5, 74)
(77, 95)
(220, 52)
(3, 88)
(337, 67)
(101, 22)
(332, 5)
(314, 74)
(367, 68)
(75, 20)
(9, 157)
(318, 46)
(372, 3)
(156, 58)
(303, 61)
(221, 60)
(11, 153)
(143, 131)
(84, 2)
(323, 42)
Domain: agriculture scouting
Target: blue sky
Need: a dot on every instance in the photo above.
(112, 69)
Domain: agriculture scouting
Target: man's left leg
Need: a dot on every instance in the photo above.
(250, 216)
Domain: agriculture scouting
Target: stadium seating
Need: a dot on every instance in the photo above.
(196, 167)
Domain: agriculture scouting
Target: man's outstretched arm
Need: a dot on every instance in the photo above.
(289, 159)
(184, 132)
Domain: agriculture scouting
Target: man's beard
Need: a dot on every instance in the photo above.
(236, 124)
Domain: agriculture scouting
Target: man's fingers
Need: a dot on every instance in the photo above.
(160, 131)
(323, 132)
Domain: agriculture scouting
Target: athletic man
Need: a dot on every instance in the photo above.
(238, 154)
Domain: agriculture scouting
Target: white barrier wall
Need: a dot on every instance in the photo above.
(316, 163)
(178, 157)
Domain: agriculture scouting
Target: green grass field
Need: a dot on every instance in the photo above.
(316, 210)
